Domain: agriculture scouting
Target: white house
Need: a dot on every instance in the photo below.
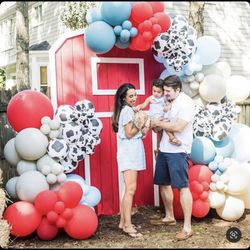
(228, 22)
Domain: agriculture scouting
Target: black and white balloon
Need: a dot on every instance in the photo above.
(95, 125)
(71, 132)
(85, 106)
(58, 148)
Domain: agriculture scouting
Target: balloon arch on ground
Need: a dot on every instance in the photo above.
(48, 146)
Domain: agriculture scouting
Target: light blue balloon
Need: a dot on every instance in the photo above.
(100, 37)
(121, 45)
(114, 13)
(11, 187)
(164, 74)
(224, 147)
(93, 197)
(93, 15)
(159, 59)
(124, 36)
(208, 49)
(127, 25)
(202, 151)
(213, 165)
(118, 30)
(133, 32)
(222, 167)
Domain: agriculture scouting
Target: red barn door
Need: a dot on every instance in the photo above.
(78, 73)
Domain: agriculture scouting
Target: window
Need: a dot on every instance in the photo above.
(38, 14)
(11, 31)
(7, 28)
(44, 81)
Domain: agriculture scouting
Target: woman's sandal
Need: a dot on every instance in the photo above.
(132, 232)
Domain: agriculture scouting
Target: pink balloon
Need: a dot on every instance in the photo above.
(46, 231)
(26, 109)
(200, 173)
(157, 6)
(52, 216)
(23, 218)
(83, 224)
(59, 207)
(140, 12)
(45, 201)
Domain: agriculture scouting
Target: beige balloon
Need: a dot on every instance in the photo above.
(213, 88)
(232, 210)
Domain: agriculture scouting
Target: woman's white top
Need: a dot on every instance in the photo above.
(130, 152)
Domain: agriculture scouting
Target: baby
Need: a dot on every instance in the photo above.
(157, 106)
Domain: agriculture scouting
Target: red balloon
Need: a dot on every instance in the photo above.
(46, 231)
(52, 216)
(67, 213)
(45, 201)
(156, 30)
(164, 21)
(26, 109)
(157, 6)
(83, 223)
(70, 193)
(140, 12)
(23, 218)
(204, 195)
(200, 173)
(59, 207)
(60, 222)
(200, 208)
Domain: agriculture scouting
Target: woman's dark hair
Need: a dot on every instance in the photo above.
(173, 81)
(119, 103)
(158, 83)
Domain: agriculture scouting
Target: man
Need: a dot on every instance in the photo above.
(171, 170)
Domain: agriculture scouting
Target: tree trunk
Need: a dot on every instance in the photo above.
(196, 17)
(22, 45)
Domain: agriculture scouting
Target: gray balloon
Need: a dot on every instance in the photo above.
(11, 187)
(30, 184)
(10, 153)
(23, 166)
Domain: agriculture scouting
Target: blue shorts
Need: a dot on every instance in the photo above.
(171, 169)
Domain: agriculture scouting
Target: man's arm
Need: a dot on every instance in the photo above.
(177, 126)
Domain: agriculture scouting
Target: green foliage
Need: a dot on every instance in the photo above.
(2, 78)
(74, 14)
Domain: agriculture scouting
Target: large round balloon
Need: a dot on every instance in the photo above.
(83, 224)
(208, 49)
(202, 151)
(213, 88)
(26, 109)
(238, 88)
(23, 218)
(114, 13)
(100, 37)
(10, 152)
(70, 193)
(31, 144)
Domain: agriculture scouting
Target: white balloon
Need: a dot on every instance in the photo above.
(45, 160)
(188, 90)
(246, 198)
(219, 68)
(23, 166)
(45, 169)
(45, 129)
(240, 133)
(31, 144)
(213, 88)
(45, 120)
(232, 210)
(216, 199)
(54, 124)
(53, 134)
(10, 153)
(238, 88)
(51, 178)
(56, 168)
(238, 181)
(199, 77)
(61, 178)
(30, 184)
(194, 85)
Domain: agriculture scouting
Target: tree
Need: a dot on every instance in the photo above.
(74, 14)
(22, 45)
(2, 78)
(196, 16)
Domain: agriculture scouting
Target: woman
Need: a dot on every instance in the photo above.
(130, 151)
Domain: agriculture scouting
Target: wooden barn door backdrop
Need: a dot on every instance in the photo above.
(77, 73)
